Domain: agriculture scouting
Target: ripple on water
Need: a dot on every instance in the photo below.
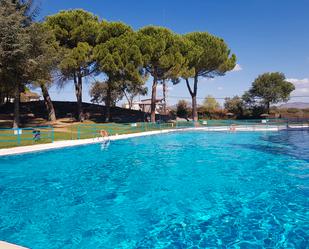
(180, 190)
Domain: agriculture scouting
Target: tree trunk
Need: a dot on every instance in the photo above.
(268, 107)
(153, 99)
(48, 103)
(78, 91)
(130, 104)
(1, 97)
(193, 96)
(194, 109)
(130, 101)
(16, 107)
(108, 104)
(164, 96)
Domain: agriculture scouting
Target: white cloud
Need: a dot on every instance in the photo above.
(237, 68)
(298, 81)
(301, 86)
(220, 88)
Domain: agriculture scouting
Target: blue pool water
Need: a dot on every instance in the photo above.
(178, 190)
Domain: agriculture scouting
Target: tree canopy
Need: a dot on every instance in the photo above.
(46, 53)
(209, 55)
(15, 44)
(120, 60)
(235, 105)
(77, 32)
(74, 26)
(271, 88)
(89, 46)
(124, 59)
(104, 92)
(210, 104)
(182, 109)
(206, 56)
(162, 57)
(132, 89)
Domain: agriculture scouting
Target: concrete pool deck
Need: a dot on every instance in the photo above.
(6, 245)
(70, 143)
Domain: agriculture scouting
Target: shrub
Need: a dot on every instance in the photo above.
(183, 110)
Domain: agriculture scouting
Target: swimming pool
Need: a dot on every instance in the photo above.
(179, 190)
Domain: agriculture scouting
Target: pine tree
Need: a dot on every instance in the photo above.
(207, 57)
(15, 63)
(76, 31)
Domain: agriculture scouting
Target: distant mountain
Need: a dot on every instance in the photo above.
(298, 105)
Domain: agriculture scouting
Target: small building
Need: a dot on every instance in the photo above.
(29, 97)
(135, 106)
(145, 105)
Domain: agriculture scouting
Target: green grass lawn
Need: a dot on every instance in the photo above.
(75, 131)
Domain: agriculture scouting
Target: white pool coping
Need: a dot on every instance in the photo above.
(6, 245)
(69, 143)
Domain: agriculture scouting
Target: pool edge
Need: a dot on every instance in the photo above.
(6, 245)
(71, 143)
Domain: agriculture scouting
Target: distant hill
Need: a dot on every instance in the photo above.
(297, 105)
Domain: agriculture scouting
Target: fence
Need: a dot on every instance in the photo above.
(26, 136)
(227, 123)
(93, 130)
(246, 122)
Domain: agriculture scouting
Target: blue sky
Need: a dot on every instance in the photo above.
(265, 35)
